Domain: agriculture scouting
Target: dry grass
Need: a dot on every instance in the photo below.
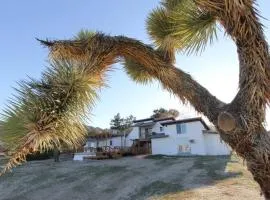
(234, 188)
(156, 178)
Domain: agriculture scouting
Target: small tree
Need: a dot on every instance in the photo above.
(128, 121)
(163, 113)
(117, 122)
(122, 124)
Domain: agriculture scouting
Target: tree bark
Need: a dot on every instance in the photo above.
(56, 154)
(247, 111)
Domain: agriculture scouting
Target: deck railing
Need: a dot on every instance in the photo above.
(107, 149)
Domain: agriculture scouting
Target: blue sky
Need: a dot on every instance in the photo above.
(21, 55)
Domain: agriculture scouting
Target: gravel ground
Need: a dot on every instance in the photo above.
(154, 177)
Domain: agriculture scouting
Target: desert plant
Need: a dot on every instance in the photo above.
(188, 26)
(49, 114)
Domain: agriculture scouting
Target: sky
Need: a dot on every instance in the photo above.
(21, 55)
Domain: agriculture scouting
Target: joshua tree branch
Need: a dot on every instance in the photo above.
(240, 20)
(102, 50)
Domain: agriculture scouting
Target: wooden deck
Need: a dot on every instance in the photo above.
(106, 152)
(139, 147)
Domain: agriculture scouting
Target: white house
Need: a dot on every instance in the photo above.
(103, 140)
(178, 137)
(113, 139)
(166, 136)
(187, 137)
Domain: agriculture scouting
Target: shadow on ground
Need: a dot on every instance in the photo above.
(153, 177)
(206, 170)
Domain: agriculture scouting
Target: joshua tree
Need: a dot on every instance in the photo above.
(185, 25)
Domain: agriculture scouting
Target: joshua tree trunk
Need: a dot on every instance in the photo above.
(240, 123)
(253, 146)
(56, 154)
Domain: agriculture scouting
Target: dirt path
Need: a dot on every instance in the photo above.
(130, 178)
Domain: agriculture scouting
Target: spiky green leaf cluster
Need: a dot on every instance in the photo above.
(181, 25)
(50, 113)
(84, 34)
(137, 72)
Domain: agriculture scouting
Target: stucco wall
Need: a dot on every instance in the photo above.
(164, 146)
(193, 132)
(116, 141)
(215, 146)
(134, 134)
(156, 128)
(202, 144)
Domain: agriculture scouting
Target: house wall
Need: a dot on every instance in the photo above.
(156, 128)
(166, 146)
(116, 142)
(204, 144)
(101, 143)
(91, 144)
(163, 146)
(105, 142)
(129, 142)
(215, 146)
(193, 132)
(134, 134)
(144, 133)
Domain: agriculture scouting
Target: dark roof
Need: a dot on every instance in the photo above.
(102, 136)
(114, 128)
(164, 119)
(142, 124)
(158, 136)
(153, 119)
(142, 140)
(142, 120)
(210, 132)
(187, 121)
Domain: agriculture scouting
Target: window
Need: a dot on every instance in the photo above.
(110, 142)
(181, 128)
(184, 148)
(92, 144)
(161, 129)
